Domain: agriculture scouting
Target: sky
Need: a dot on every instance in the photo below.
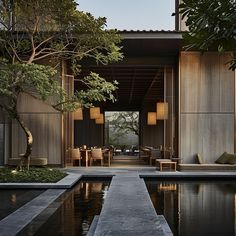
(133, 14)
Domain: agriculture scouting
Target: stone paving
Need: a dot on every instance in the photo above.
(128, 210)
(149, 172)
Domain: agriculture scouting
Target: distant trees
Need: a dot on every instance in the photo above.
(123, 128)
(125, 122)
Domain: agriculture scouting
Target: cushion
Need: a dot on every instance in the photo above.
(199, 159)
(231, 159)
(222, 159)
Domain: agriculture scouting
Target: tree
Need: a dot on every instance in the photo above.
(125, 122)
(211, 25)
(123, 129)
(51, 30)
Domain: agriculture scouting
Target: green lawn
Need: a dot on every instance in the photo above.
(34, 175)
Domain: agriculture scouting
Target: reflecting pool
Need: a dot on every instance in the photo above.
(74, 211)
(196, 208)
(12, 199)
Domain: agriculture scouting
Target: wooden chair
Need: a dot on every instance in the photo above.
(76, 156)
(96, 154)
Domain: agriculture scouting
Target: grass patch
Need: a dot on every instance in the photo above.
(33, 175)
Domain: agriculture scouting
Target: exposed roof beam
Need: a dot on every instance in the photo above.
(151, 85)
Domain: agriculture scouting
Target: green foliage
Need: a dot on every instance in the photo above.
(55, 28)
(34, 175)
(211, 25)
(43, 31)
(122, 124)
(39, 81)
(125, 122)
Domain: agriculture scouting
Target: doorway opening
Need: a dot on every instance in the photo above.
(122, 134)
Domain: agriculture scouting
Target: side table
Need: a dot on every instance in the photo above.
(166, 164)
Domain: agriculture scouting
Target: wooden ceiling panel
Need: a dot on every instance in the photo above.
(136, 83)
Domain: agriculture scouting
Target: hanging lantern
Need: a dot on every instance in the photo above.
(162, 111)
(100, 120)
(94, 112)
(152, 118)
(78, 114)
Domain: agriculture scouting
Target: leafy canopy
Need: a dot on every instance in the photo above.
(211, 25)
(53, 31)
(36, 38)
(34, 30)
(125, 122)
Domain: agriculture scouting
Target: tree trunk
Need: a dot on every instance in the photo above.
(29, 140)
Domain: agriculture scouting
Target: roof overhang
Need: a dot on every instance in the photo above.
(151, 35)
(151, 43)
(141, 73)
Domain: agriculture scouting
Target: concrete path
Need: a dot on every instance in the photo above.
(128, 210)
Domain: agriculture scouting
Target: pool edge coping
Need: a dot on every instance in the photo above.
(66, 183)
(72, 178)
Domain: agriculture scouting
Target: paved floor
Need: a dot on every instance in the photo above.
(148, 172)
(128, 210)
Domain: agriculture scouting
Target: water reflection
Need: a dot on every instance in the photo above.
(196, 208)
(76, 213)
(12, 199)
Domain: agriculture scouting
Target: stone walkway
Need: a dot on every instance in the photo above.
(128, 210)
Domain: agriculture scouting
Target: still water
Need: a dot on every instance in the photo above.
(12, 199)
(196, 208)
(75, 214)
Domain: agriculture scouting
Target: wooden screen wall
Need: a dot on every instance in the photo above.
(207, 100)
(87, 132)
(44, 123)
(164, 132)
(170, 136)
(151, 135)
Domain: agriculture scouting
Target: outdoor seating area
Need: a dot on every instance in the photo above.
(89, 156)
(127, 150)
